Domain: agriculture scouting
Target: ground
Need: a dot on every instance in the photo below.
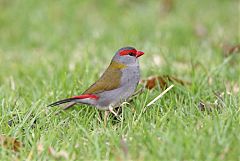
(56, 49)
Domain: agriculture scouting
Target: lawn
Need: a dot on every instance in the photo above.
(55, 49)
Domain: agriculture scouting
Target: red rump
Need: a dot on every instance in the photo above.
(91, 96)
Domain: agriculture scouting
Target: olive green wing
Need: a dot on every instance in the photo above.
(108, 81)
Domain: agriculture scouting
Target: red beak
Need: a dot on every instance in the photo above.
(139, 53)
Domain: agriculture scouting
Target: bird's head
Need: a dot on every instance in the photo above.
(127, 55)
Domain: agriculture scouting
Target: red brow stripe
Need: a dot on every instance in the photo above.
(91, 96)
(125, 52)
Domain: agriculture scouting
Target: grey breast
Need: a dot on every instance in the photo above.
(129, 82)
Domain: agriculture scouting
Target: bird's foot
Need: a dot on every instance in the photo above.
(112, 111)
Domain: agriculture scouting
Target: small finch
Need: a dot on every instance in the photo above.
(116, 84)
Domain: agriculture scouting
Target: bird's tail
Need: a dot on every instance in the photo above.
(62, 102)
(85, 99)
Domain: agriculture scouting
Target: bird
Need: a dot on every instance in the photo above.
(116, 84)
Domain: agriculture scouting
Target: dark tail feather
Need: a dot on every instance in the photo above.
(61, 102)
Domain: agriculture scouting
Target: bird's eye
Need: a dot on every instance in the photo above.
(131, 54)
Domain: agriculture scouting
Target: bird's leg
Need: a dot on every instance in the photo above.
(106, 114)
(99, 116)
(112, 111)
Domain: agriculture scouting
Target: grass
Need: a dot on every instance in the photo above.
(56, 49)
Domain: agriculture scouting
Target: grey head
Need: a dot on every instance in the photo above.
(127, 55)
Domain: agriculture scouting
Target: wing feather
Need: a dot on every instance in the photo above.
(110, 79)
